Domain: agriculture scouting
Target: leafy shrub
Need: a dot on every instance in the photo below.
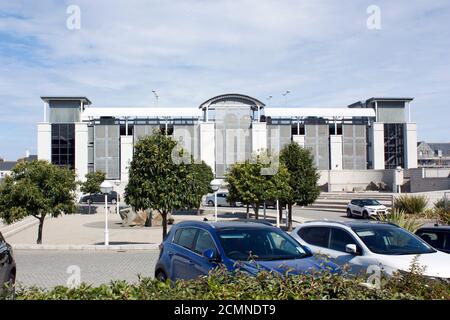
(401, 219)
(222, 285)
(411, 204)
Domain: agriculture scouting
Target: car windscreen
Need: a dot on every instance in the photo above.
(259, 244)
(371, 202)
(391, 240)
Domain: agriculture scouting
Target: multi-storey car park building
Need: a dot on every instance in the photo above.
(359, 143)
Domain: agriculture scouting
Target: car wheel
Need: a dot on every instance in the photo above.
(365, 215)
(161, 276)
(349, 213)
(211, 203)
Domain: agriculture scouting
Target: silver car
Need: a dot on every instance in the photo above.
(7, 268)
(221, 200)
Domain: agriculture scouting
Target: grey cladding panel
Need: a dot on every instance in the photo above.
(354, 147)
(107, 150)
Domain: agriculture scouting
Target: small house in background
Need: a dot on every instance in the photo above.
(7, 166)
(433, 155)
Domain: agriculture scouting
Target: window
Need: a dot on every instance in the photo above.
(317, 236)
(185, 238)
(63, 144)
(391, 240)
(339, 239)
(394, 145)
(438, 240)
(259, 244)
(204, 242)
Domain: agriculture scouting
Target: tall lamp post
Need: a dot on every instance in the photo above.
(215, 185)
(106, 187)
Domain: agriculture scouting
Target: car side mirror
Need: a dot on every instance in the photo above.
(211, 255)
(307, 250)
(351, 248)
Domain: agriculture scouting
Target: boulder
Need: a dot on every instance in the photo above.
(132, 218)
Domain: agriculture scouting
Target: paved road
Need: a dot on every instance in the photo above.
(50, 268)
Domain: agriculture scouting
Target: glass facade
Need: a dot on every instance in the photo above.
(63, 144)
(394, 145)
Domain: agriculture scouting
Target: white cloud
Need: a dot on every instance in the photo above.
(191, 50)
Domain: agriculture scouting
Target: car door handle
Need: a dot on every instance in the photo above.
(189, 262)
(170, 253)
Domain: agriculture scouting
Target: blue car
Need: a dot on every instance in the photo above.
(192, 248)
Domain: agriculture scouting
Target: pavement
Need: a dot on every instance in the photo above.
(86, 231)
(47, 269)
(73, 247)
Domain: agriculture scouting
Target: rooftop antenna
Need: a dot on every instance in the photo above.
(285, 96)
(156, 96)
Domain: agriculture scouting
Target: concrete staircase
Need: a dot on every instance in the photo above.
(337, 201)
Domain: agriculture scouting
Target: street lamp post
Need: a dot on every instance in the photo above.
(215, 185)
(285, 96)
(106, 187)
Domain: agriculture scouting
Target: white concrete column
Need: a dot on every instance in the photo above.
(126, 155)
(410, 145)
(81, 150)
(336, 152)
(259, 136)
(377, 153)
(300, 139)
(207, 144)
(44, 142)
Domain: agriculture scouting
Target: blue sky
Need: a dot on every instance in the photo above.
(189, 51)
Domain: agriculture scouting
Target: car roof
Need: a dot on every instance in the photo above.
(366, 199)
(226, 224)
(350, 224)
(434, 226)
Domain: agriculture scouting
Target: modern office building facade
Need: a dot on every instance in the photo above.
(376, 134)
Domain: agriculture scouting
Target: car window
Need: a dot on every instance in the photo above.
(259, 244)
(391, 240)
(2, 240)
(354, 202)
(438, 240)
(317, 236)
(339, 239)
(186, 237)
(204, 242)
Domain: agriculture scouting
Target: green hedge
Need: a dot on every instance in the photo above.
(221, 285)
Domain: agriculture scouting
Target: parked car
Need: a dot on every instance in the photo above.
(365, 208)
(7, 267)
(193, 248)
(438, 236)
(99, 198)
(222, 200)
(360, 244)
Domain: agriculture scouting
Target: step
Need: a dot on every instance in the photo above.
(8, 230)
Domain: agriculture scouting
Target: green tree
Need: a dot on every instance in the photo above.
(37, 189)
(248, 184)
(199, 179)
(303, 177)
(158, 182)
(92, 184)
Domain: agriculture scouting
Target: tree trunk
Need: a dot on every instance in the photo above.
(289, 224)
(280, 211)
(164, 224)
(148, 222)
(248, 212)
(41, 226)
(89, 205)
(256, 208)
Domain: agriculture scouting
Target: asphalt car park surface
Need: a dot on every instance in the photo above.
(49, 268)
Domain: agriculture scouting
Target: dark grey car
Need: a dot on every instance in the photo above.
(7, 268)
